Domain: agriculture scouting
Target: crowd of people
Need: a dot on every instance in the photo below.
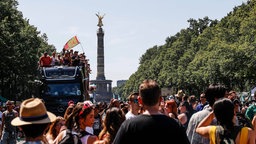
(216, 117)
(66, 58)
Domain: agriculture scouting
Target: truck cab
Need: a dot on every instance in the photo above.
(60, 84)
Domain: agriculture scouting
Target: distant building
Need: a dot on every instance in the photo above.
(120, 82)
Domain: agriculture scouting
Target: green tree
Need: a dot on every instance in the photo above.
(20, 48)
(208, 51)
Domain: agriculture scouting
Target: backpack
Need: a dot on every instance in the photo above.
(222, 136)
(72, 138)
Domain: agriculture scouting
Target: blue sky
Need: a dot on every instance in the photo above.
(131, 26)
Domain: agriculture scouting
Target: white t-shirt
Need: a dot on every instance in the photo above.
(129, 115)
(54, 60)
(89, 130)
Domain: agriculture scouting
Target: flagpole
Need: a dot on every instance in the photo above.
(82, 47)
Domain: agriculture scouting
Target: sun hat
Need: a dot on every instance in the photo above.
(33, 111)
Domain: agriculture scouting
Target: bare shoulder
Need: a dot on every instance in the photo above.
(16, 112)
(171, 115)
(181, 115)
(99, 142)
(204, 131)
(251, 132)
(59, 137)
(250, 138)
(92, 139)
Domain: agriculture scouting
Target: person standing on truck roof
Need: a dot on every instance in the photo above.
(71, 52)
(45, 60)
(59, 60)
(53, 59)
(66, 59)
(75, 60)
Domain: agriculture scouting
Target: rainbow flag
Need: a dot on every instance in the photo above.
(71, 43)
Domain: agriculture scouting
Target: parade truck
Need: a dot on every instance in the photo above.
(61, 84)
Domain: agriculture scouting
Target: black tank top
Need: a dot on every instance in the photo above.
(8, 117)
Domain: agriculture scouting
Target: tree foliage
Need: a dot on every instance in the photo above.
(208, 51)
(20, 46)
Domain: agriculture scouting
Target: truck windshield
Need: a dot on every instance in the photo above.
(63, 89)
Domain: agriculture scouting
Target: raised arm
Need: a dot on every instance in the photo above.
(203, 127)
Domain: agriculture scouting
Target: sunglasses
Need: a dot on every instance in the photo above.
(135, 101)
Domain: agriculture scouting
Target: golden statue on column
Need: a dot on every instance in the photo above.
(100, 17)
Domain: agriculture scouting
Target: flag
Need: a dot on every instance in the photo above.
(71, 43)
